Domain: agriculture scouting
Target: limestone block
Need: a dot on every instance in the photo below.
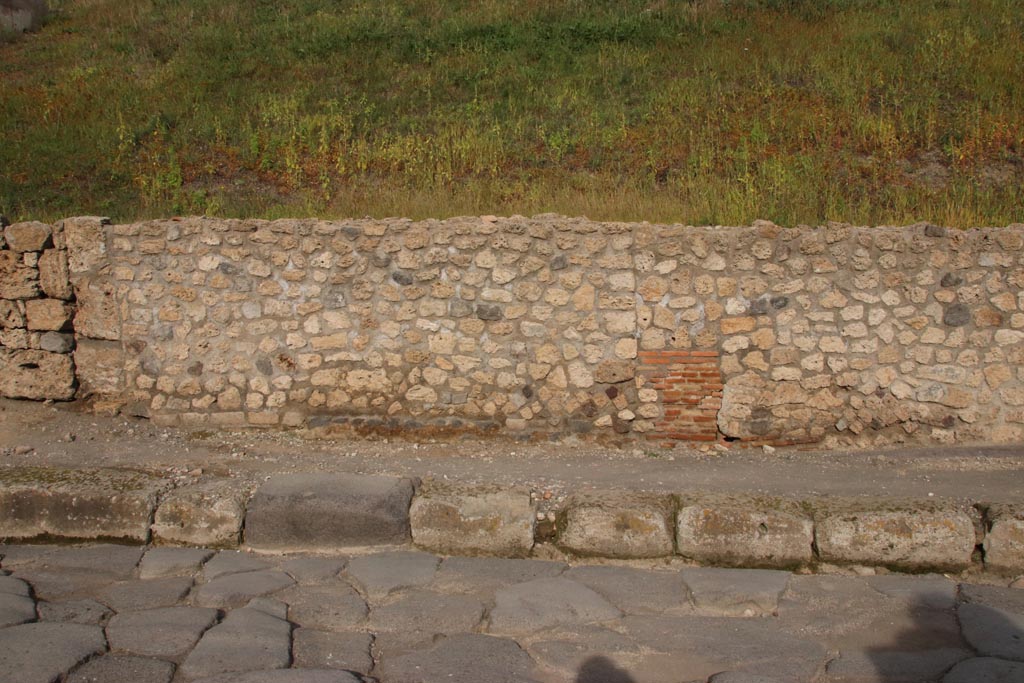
(613, 525)
(17, 280)
(97, 316)
(914, 537)
(30, 236)
(754, 532)
(461, 521)
(1004, 542)
(86, 242)
(48, 314)
(36, 375)
(613, 372)
(54, 276)
(208, 514)
(99, 366)
(12, 314)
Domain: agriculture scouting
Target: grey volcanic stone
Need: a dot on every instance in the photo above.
(123, 669)
(285, 676)
(160, 562)
(16, 609)
(329, 511)
(234, 590)
(165, 632)
(313, 649)
(933, 592)
(985, 670)
(574, 651)
(232, 562)
(735, 592)
(145, 593)
(86, 611)
(739, 677)
(430, 613)
(465, 658)
(246, 640)
(113, 561)
(536, 605)
(662, 591)
(331, 608)
(879, 664)
(41, 653)
(314, 570)
(10, 585)
(484, 575)
(992, 631)
(381, 573)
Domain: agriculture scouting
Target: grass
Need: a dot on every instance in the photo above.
(700, 111)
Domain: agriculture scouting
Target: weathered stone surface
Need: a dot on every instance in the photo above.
(464, 658)
(985, 670)
(884, 665)
(57, 342)
(336, 607)
(246, 640)
(735, 592)
(16, 609)
(473, 521)
(121, 668)
(145, 593)
(993, 632)
(312, 649)
(28, 236)
(48, 314)
(54, 276)
(10, 585)
(83, 503)
(910, 538)
(382, 573)
(662, 591)
(311, 571)
(17, 281)
(12, 314)
(738, 677)
(160, 562)
(928, 592)
(42, 653)
(234, 590)
(86, 611)
(429, 613)
(207, 514)
(99, 366)
(329, 511)
(614, 371)
(587, 653)
(613, 525)
(96, 315)
(285, 676)
(483, 575)
(166, 632)
(1004, 540)
(36, 375)
(232, 562)
(86, 242)
(543, 603)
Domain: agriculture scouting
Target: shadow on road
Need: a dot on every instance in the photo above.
(600, 669)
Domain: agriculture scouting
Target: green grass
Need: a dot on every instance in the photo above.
(700, 111)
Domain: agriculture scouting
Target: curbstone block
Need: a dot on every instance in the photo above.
(1004, 541)
(915, 537)
(756, 532)
(208, 514)
(329, 511)
(466, 521)
(77, 504)
(617, 525)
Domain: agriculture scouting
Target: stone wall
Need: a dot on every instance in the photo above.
(542, 326)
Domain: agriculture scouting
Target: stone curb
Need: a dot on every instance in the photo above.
(334, 511)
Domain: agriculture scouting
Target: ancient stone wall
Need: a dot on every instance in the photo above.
(541, 325)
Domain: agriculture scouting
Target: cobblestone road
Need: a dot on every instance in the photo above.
(104, 613)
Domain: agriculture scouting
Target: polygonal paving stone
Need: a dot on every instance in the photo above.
(271, 606)
(933, 592)
(535, 605)
(636, 591)
(234, 590)
(739, 677)
(64, 585)
(145, 593)
(160, 562)
(331, 608)
(484, 575)
(1001, 597)
(164, 632)
(123, 669)
(993, 632)
(382, 573)
(10, 585)
(568, 652)
(16, 609)
(41, 653)
(86, 611)
(232, 562)
(985, 670)
(464, 658)
(246, 640)
(312, 649)
(735, 592)
(881, 665)
(114, 561)
(285, 676)
(314, 570)
(430, 613)
(603, 669)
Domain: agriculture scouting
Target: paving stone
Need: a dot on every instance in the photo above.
(1010, 599)
(246, 640)
(699, 647)
(19, 555)
(331, 608)
(67, 584)
(915, 538)
(123, 669)
(484, 575)
(275, 608)
(602, 669)
(464, 658)
(145, 593)
(161, 562)
(111, 561)
(234, 590)
(41, 653)
(933, 592)
(735, 592)
(430, 613)
(880, 665)
(328, 511)
(568, 653)
(82, 503)
(86, 611)
(662, 590)
(747, 533)
(232, 562)
(314, 570)
(1004, 540)
(993, 632)
(535, 605)
(285, 676)
(312, 649)
(614, 525)
(208, 514)
(164, 632)
(470, 521)
(985, 670)
(739, 677)
(382, 573)
(10, 585)
(16, 609)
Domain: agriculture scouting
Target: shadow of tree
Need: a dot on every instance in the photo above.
(598, 669)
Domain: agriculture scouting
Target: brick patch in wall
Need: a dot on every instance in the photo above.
(689, 387)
